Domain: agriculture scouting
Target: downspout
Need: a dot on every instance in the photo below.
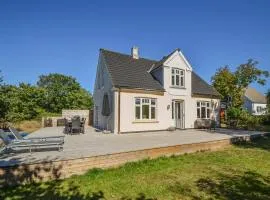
(119, 101)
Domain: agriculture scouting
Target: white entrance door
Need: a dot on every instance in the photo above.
(179, 114)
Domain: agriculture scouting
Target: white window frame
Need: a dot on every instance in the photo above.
(207, 106)
(180, 73)
(259, 109)
(145, 101)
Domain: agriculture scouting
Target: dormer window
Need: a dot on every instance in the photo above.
(178, 77)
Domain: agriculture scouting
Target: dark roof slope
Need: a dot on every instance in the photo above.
(160, 63)
(128, 72)
(201, 87)
(255, 96)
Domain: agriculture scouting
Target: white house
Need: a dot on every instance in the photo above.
(254, 102)
(141, 94)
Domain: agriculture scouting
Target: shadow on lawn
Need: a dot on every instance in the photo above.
(247, 186)
(56, 190)
(34, 188)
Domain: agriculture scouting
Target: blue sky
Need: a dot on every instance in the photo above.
(41, 37)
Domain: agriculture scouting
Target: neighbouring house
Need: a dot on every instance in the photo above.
(255, 102)
(134, 94)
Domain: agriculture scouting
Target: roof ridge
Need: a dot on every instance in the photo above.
(124, 54)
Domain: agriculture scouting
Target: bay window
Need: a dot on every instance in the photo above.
(178, 77)
(203, 109)
(145, 108)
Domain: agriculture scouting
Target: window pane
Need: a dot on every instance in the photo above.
(145, 111)
(137, 112)
(203, 114)
(208, 104)
(198, 104)
(182, 81)
(137, 101)
(198, 113)
(178, 108)
(177, 80)
(177, 71)
(172, 110)
(172, 71)
(153, 113)
(202, 103)
(208, 113)
(153, 102)
(182, 72)
(172, 80)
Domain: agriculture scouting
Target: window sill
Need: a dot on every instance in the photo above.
(144, 121)
(178, 87)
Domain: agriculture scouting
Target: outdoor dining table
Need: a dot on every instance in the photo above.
(68, 126)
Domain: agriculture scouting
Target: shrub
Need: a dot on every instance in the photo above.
(28, 125)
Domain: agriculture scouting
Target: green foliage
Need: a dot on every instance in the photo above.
(52, 93)
(63, 92)
(233, 84)
(1, 77)
(268, 101)
(240, 118)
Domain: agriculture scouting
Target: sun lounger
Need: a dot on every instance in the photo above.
(18, 136)
(29, 144)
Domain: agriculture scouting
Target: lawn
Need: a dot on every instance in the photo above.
(239, 172)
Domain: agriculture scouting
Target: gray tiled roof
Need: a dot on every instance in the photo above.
(130, 73)
(127, 72)
(255, 96)
(201, 87)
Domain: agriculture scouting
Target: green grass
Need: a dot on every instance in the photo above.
(239, 172)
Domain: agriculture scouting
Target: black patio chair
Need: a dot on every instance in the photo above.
(67, 128)
(76, 125)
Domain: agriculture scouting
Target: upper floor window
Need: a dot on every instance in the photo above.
(178, 77)
(145, 108)
(203, 109)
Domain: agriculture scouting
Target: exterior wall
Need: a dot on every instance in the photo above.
(254, 108)
(248, 105)
(163, 112)
(100, 121)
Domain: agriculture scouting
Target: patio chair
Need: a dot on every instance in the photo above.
(83, 125)
(76, 125)
(67, 128)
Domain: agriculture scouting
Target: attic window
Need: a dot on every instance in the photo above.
(178, 77)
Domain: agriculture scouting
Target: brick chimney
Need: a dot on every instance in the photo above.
(135, 52)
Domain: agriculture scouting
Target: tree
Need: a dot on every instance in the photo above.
(63, 92)
(1, 77)
(23, 102)
(268, 101)
(233, 84)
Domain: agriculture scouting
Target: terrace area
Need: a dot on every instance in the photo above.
(94, 143)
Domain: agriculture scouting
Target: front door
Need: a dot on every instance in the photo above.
(179, 114)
